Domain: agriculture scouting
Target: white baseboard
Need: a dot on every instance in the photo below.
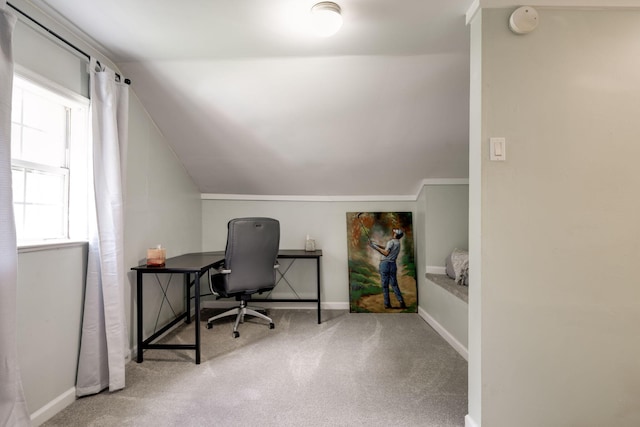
(335, 305)
(468, 422)
(453, 342)
(436, 269)
(52, 408)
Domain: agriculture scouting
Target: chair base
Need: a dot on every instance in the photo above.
(239, 312)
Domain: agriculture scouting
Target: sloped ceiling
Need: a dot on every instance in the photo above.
(253, 103)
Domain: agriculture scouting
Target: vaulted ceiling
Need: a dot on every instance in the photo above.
(253, 102)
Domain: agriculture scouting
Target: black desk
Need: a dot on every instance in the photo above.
(197, 264)
(294, 254)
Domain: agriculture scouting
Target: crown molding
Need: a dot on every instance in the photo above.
(445, 181)
(476, 5)
(367, 198)
(293, 198)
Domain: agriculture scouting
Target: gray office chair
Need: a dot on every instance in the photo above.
(248, 267)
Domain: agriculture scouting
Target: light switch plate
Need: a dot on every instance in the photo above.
(497, 149)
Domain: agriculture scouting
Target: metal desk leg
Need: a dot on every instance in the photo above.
(197, 317)
(139, 317)
(187, 290)
(318, 277)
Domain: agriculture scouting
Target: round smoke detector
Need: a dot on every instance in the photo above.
(523, 20)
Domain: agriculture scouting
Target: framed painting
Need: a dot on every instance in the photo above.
(382, 270)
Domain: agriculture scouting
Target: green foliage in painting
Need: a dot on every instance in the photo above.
(364, 279)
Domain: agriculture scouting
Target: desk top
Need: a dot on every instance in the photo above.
(187, 263)
(299, 253)
(202, 261)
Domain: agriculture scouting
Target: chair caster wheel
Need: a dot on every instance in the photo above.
(271, 325)
(236, 334)
(209, 325)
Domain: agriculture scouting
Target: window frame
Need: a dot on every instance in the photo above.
(77, 158)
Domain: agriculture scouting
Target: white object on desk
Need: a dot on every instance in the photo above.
(310, 244)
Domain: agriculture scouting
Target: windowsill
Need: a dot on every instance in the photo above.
(49, 245)
(450, 285)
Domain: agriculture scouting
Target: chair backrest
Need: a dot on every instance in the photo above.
(251, 254)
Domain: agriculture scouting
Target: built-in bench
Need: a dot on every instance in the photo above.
(446, 309)
(450, 285)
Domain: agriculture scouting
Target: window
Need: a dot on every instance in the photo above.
(48, 160)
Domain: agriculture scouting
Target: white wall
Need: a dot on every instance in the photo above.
(49, 314)
(162, 207)
(559, 230)
(447, 221)
(443, 212)
(326, 222)
(36, 50)
(71, 68)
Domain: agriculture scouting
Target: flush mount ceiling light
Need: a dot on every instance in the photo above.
(326, 18)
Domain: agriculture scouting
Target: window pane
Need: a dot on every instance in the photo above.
(41, 113)
(44, 188)
(17, 182)
(41, 147)
(43, 222)
(44, 131)
(48, 128)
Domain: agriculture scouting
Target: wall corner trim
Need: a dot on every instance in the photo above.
(471, 12)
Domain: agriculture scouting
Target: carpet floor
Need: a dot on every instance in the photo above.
(386, 369)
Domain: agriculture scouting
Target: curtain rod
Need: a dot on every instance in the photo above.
(59, 37)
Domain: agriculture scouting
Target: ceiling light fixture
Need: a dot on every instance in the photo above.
(326, 18)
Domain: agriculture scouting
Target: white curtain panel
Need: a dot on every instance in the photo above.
(105, 342)
(13, 407)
